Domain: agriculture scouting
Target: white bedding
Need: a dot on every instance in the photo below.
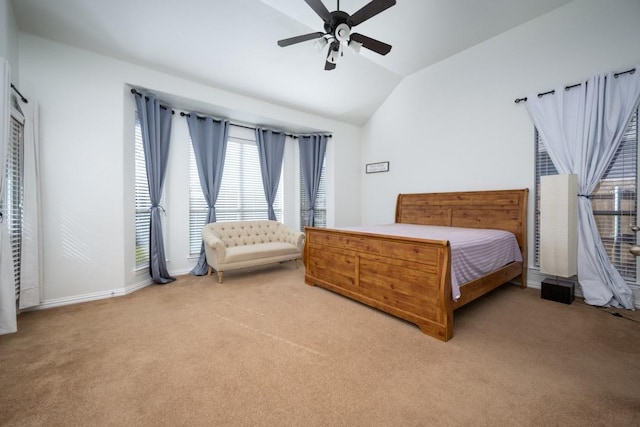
(474, 252)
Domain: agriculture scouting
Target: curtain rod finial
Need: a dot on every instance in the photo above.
(25, 100)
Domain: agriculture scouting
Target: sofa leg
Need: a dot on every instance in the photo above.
(219, 276)
(297, 265)
(209, 271)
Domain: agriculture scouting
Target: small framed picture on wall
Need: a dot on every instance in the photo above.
(377, 167)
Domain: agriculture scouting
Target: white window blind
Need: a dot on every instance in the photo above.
(614, 200)
(143, 201)
(320, 212)
(241, 195)
(11, 203)
(197, 205)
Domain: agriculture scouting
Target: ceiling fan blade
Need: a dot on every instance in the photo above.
(319, 8)
(299, 39)
(370, 10)
(371, 44)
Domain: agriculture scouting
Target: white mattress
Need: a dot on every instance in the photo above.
(474, 252)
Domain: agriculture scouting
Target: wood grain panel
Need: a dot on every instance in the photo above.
(405, 288)
(417, 250)
(425, 215)
(333, 265)
(501, 219)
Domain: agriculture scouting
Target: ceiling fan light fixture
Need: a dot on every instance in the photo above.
(333, 56)
(320, 44)
(355, 46)
(342, 33)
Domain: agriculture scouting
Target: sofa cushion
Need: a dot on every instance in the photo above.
(259, 250)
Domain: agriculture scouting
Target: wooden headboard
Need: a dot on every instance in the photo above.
(498, 209)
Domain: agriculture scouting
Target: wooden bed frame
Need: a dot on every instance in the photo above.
(411, 278)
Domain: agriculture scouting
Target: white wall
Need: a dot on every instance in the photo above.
(9, 39)
(87, 164)
(454, 126)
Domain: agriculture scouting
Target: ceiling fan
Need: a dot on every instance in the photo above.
(337, 30)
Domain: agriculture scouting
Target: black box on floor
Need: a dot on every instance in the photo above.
(558, 290)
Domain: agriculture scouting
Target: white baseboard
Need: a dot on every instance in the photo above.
(75, 299)
(180, 272)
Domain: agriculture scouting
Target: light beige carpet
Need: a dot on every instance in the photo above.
(264, 349)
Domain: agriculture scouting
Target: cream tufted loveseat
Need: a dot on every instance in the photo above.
(240, 244)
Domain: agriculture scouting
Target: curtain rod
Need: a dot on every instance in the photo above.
(19, 94)
(183, 114)
(551, 92)
(135, 92)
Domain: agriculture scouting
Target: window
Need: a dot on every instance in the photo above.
(143, 201)
(11, 203)
(241, 195)
(614, 200)
(320, 212)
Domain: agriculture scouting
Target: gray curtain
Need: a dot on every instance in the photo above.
(271, 152)
(155, 123)
(582, 128)
(312, 149)
(209, 141)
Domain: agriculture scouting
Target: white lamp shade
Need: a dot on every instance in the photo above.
(355, 46)
(320, 44)
(559, 225)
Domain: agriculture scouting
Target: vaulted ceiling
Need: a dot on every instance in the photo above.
(231, 44)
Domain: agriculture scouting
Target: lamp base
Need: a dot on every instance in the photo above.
(558, 290)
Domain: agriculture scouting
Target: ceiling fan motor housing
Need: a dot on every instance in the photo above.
(338, 18)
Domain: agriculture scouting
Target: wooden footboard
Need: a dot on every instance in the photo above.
(411, 278)
(405, 277)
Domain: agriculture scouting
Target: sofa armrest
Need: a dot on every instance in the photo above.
(294, 237)
(299, 240)
(211, 239)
